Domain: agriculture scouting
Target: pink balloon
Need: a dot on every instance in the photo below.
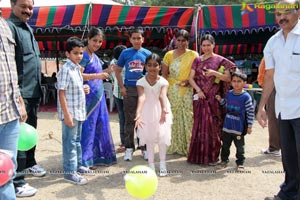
(6, 168)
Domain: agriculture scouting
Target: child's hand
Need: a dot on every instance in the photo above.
(86, 89)
(249, 130)
(111, 68)
(138, 122)
(123, 92)
(68, 120)
(163, 117)
(104, 75)
(218, 97)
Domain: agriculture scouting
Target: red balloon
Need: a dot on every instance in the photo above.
(6, 168)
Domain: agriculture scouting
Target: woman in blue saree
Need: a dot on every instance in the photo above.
(96, 140)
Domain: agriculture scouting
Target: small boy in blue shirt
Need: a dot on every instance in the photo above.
(238, 120)
(71, 110)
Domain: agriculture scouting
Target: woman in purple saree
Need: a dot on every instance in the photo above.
(208, 117)
(96, 140)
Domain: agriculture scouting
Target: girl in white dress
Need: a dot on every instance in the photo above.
(153, 115)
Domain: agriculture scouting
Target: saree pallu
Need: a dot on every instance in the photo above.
(96, 140)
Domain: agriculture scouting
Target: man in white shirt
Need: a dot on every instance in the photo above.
(282, 56)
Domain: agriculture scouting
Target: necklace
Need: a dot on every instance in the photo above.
(152, 81)
(89, 51)
(205, 57)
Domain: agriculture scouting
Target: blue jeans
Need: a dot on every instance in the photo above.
(119, 103)
(26, 159)
(9, 134)
(290, 149)
(72, 154)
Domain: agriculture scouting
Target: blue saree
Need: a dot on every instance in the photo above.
(96, 140)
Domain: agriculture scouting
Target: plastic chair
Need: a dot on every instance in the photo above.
(44, 91)
(51, 91)
(108, 90)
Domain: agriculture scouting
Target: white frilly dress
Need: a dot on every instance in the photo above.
(152, 131)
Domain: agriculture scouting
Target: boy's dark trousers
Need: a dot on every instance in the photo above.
(239, 143)
(129, 108)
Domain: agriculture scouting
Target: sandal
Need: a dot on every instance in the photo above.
(121, 149)
(240, 168)
(222, 165)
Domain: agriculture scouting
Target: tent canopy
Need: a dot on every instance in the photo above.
(77, 14)
(39, 3)
(53, 23)
(233, 19)
(78, 17)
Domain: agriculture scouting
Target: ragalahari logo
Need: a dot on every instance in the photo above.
(246, 8)
(267, 6)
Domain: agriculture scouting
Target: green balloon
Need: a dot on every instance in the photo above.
(27, 138)
(141, 181)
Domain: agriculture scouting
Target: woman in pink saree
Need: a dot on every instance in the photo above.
(210, 75)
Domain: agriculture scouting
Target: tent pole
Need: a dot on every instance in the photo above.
(57, 51)
(196, 25)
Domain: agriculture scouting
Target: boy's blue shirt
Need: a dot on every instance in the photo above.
(134, 61)
(239, 113)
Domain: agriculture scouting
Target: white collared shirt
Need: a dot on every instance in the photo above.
(284, 57)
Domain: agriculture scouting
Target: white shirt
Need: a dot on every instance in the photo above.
(284, 57)
(117, 90)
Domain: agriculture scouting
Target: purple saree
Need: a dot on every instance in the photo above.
(96, 140)
(208, 117)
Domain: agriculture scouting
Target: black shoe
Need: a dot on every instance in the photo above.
(273, 198)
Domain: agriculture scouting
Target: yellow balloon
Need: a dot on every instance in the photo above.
(141, 181)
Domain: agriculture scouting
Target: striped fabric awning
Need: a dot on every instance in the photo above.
(235, 18)
(54, 41)
(236, 49)
(54, 24)
(78, 17)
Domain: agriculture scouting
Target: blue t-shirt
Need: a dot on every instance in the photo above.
(134, 61)
(239, 108)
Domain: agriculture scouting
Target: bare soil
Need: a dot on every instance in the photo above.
(262, 176)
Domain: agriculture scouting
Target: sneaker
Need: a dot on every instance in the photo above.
(86, 171)
(37, 171)
(75, 179)
(273, 198)
(25, 191)
(162, 169)
(145, 155)
(271, 153)
(128, 154)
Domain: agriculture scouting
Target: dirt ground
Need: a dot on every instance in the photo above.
(261, 178)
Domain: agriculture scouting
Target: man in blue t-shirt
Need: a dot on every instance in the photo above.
(133, 59)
